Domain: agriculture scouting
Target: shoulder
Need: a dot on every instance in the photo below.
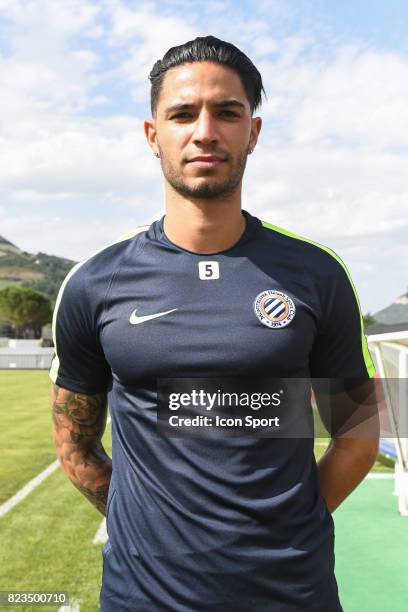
(93, 274)
(106, 259)
(329, 274)
(318, 258)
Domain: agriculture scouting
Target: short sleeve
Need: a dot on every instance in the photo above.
(79, 363)
(340, 349)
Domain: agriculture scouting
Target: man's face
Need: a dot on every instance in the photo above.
(203, 127)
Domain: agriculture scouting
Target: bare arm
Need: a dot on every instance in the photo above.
(79, 422)
(343, 466)
(354, 448)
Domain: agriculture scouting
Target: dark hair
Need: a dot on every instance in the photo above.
(208, 49)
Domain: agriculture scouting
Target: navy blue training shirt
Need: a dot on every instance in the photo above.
(232, 524)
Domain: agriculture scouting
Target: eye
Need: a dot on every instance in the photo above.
(187, 115)
(181, 115)
(230, 113)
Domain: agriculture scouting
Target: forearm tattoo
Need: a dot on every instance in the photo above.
(79, 421)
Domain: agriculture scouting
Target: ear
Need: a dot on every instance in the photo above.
(149, 126)
(256, 125)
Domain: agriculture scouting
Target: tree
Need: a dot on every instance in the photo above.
(25, 308)
(368, 319)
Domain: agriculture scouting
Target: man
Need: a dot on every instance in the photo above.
(234, 523)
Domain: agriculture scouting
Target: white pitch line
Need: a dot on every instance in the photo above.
(72, 607)
(31, 485)
(101, 535)
(26, 490)
(380, 475)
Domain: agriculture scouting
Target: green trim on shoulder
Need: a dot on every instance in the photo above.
(53, 373)
(364, 346)
(132, 233)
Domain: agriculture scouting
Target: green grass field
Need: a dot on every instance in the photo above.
(46, 540)
(25, 432)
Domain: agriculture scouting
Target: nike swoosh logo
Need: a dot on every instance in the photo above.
(135, 320)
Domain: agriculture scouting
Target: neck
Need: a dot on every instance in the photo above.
(204, 226)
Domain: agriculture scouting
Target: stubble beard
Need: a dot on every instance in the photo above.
(207, 190)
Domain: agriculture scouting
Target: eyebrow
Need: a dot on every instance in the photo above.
(221, 104)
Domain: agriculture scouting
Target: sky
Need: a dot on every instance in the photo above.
(75, 169)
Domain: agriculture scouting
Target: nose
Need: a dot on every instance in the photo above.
(205, 129)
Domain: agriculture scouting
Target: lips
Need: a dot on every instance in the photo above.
(206, 159)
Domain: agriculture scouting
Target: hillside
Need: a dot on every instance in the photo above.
(41, 271)
(394, 314)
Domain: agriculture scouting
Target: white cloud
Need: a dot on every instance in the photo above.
(48, 76)
(314, 190)
(147, 33)
(68, 237)
(356, 99)
(361, 101)
(80, 156)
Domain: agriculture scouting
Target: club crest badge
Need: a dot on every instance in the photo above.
(274, 308)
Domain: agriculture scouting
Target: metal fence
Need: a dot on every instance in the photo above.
(39, 359)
